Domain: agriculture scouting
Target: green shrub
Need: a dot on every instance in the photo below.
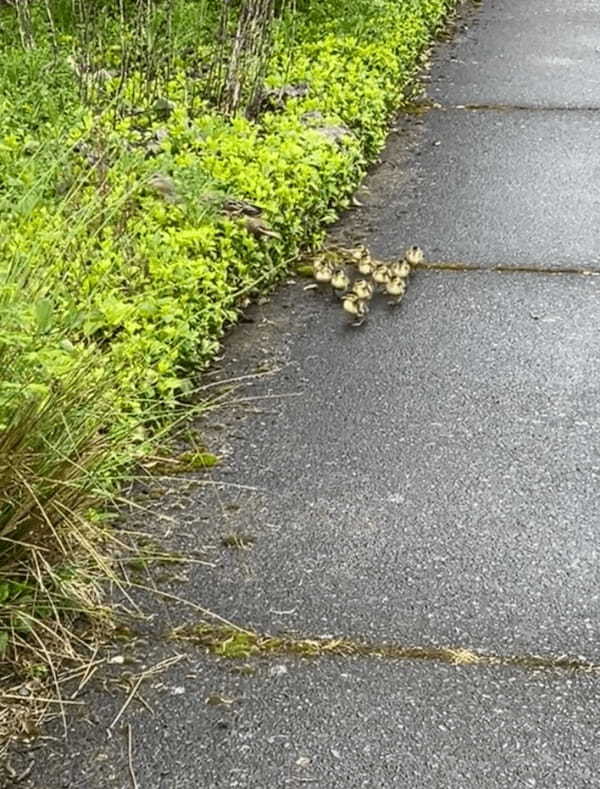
(160, 281)
(116, 293)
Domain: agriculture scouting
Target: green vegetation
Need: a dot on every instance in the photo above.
(161, 163)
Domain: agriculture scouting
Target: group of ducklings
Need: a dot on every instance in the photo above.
(355, 295)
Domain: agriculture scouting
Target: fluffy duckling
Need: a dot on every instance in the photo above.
(333, 256)
(340, 281)
(414, 255)
(358, 253)
(363, 289)
(365, 265)
(322, 271)
(399, 268)
(360, 257)
(355, 307)
(396, 288)
(381, 273)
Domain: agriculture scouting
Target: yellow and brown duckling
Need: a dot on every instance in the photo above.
(365, 265)
(357, 308)
(356, 254)
(400, 268)
(396, 288)
(381, 273)
(340, 281)
(414, 255)
(322, 270)
(333, 255)
(360, 257)
(363, 289)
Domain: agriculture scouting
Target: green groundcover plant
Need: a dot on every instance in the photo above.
(133, 233)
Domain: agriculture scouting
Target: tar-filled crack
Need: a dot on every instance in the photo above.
(236, 643)
(511, 107)
(425, 106)
(506, 268)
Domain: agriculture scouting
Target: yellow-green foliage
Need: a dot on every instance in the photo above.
(113, 293)
(156, 282)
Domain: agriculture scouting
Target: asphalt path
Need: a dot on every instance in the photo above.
(428, 479)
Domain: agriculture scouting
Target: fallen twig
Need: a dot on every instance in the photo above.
(128, 701)
(130, 757)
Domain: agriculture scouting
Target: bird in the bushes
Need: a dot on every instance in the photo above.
(164, 186)
(414, 255)
(400, 268)
(363, 289)
(357, 308)
(258, 227)
(396, 288)
(340, 281)
(236, 207)
(322, 270)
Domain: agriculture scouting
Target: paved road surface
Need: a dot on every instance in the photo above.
(429, 479)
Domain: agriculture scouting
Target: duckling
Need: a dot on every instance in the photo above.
(322, 270)
(365, 265)
(358, 256)
(340, 281)
(399, 268)
(395, 287)
(381, 273)
(357, 253)
(355, 307)
(333, 256)
(414, 255)
(363, 289)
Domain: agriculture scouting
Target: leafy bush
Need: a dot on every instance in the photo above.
(159, 281)
(124, 256)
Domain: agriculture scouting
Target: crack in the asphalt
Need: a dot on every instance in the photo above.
(508, 107)
(505, 268)
(234, 643)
